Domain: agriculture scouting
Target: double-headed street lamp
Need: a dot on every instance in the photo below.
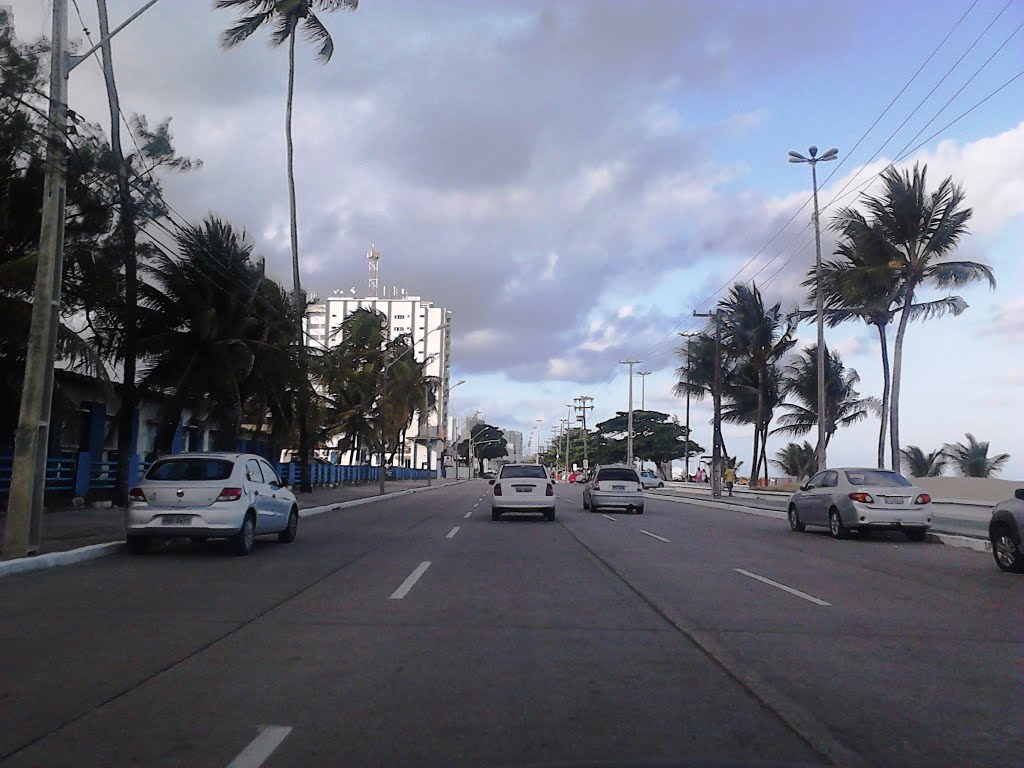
(813, 160)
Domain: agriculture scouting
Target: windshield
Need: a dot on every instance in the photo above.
(876, 478)
(527, 471)
(616, 473)
(177, 470)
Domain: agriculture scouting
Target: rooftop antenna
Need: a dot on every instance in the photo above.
(373, 262)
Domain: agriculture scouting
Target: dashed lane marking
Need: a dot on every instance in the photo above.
(783, 587)
(609, 517)
(655, 536)
(452, 532)
(410, 581)
(262, 747)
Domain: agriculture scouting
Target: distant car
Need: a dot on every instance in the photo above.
(522, 488)
(1004, 531)
(650, 479)
(861, 499)
(236, 496)
(488, 475)
(614, 486)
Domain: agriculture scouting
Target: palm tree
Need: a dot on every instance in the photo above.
(796, 460)
(844, 405)
(924, 229)
(921, 464)
(699, 379)
(759, 337)
(972, 459)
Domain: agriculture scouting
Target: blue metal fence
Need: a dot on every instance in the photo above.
(60, 474)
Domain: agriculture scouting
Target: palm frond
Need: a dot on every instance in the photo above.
(244, 29)
(956, 274)
(950, 305)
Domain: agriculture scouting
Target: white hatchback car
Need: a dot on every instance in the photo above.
(522, 488)
(236, 496)
(615, 485)
(649, 479)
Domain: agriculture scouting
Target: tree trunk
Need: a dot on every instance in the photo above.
(897, 369)
(755, 461)
(764, 452)
(886, 384)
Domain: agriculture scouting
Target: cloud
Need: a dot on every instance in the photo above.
(1008, 321)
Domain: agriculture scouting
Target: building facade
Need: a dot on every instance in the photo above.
(431, 341)
(514, 438)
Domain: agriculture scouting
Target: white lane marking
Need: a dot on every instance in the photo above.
(609, 517)
(476, 505)
(452, 532)
(783, 587)
(410, 581)
(655, 536)
(468, 514)
(262, 747)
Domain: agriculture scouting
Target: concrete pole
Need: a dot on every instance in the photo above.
(629, 420)
(819, 305)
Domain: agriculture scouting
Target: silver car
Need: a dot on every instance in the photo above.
(649, 479)
(1004, 531)
(236, 496)
(522, 488)
(861, 499)
(614, 486)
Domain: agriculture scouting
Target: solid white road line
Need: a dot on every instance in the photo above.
(609, 517)
(655, 536)
(262, 747)
(410, 581)
(783, 587)
(468, 514)
(452, 532)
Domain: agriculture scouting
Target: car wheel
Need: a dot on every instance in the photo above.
(586, 505)
(138, 545)
(640, 510)
(661, 485)
(549, 514)
(593, 507)
(1006, 552)
(243, 541)
(794, 520)
(287, 536)
(495, 515)
(915, 534)
(836, 526)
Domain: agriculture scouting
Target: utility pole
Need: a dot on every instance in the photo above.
(643, 387)
(583, 408)
(688, 335)
(716, 450)
(629, 420)
(568, 429)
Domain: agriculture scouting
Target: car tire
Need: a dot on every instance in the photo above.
(1005, 551)
(794, 520)
(243, 541)
(586, 506)
(916, 534)
(495, 515)
(836, 526)
(138, 545)
(639, 510)
(593, 508)
(287, 536)
(549, 515)
(661, 485)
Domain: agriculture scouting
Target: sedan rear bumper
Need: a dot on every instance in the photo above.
(624, 500)
(892, 517)
(522, 501)
(219, 519)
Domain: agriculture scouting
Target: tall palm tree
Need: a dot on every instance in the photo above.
(921, 464)
(698, 379)
(844, 405)
(972, 459)
(759, 336)
(287, 16)
(796, 460)
(925, 228)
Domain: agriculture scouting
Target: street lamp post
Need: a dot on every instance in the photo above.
(819, 304)
(643, 387)
(688, 335)
(536, 444)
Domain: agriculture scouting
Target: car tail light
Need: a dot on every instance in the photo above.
(230, 494)
(924, 498)
(640, 488)
(137, 494)
(863, 498)
(497, 489)
(550, 490)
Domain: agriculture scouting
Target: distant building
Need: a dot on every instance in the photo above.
(514, 438)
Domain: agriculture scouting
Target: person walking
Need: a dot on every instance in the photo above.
(730, 478)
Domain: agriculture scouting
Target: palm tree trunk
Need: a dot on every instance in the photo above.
(897, 370)
(764, 452)
(755, 460)
(886, 384)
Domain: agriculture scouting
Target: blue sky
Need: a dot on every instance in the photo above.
(572, 178)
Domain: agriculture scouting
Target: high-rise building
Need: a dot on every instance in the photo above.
(406, 315)
(514, 438)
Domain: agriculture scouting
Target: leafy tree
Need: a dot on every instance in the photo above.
(657, 437)
(488, 443)
(972, 460)
(796, 460)
(921, 464)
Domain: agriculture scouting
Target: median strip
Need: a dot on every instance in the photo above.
(783, 587)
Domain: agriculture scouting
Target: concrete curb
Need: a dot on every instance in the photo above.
(96, 551)
(58, 559)
(948, 539)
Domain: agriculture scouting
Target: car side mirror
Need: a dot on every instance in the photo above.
(284, 484)
(805, 487)
(490, 482)
(1019, 494)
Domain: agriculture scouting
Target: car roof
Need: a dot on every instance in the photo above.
(200, 455)
(616, 466)
(522, 464)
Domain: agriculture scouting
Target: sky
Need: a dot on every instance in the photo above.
(573, 179)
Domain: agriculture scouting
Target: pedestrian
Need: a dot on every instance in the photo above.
(730, 478)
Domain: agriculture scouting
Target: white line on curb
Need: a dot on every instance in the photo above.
(452, 532)
(655, 536)
(468, 514)
(262, 747)
(57, 559)
(783, 587)
(410, 581)
(609, 517)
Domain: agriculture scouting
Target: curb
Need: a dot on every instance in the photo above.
(95, 551)
(948, 539)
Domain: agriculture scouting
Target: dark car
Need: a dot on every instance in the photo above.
(1004, 532)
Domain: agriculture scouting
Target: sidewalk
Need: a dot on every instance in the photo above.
(70, 528)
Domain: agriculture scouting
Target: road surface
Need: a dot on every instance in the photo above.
(415, 631)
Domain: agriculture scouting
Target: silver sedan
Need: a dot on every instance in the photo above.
(861, 499)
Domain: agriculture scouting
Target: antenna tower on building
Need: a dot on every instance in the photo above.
(373, 262)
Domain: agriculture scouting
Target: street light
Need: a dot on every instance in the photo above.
(538, 422)
(688, 335)
(813, 160)
(643, 386)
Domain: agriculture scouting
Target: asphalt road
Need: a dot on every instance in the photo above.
(384, 636)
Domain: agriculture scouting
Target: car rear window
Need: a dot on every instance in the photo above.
(177, 470)
(538, 472)
(618, 474)
(878, 478)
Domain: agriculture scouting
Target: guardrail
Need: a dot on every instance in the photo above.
(59, 476)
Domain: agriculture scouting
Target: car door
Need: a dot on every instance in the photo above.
(809, 504)
(266, 515)
(826, 494)
(281, 498)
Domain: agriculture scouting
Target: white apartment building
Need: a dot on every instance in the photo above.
(514, 438)
(418, 318)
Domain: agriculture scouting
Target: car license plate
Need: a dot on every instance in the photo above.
(895, 500)
(618, 487)
(176, 520)
(523, 489)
